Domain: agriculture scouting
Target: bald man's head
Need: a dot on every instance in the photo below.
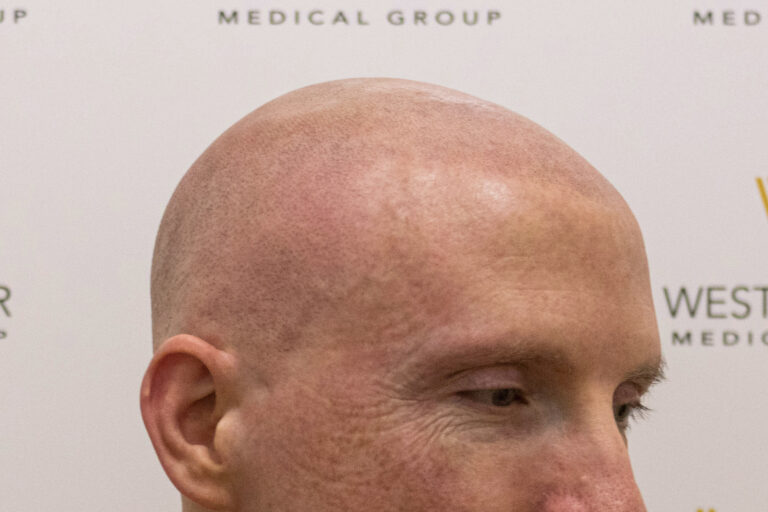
(317, 192)
(363, 239)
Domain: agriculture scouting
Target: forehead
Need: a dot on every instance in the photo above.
(502, 264)
(369, 241)
(565, 281)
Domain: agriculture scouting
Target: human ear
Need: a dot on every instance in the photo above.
(186, 397)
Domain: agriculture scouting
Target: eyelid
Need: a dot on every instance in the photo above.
(628, 392)
(488, 377)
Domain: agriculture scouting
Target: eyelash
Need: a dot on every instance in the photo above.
(637, 411)
(496, 394)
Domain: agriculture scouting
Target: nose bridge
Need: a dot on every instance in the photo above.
(592, 473)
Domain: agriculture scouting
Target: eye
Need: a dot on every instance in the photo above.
(624, 412)
(501, 397)
(627, 405)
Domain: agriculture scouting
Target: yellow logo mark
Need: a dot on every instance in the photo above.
(702, 510)
(763, 193)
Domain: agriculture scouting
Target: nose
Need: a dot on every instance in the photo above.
(591, 472)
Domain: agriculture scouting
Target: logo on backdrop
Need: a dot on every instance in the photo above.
(12, 16)
(731, 305)
(727, 18)
(396, 17)
(719, 304)
(5, 296)
(762, 186)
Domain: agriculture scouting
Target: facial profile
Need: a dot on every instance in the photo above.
(384, 295)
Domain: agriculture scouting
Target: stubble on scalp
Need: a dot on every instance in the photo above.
(350, 200)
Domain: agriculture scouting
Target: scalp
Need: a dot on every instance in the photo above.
(357, 188)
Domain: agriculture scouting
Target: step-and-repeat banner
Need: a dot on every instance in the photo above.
(104, 105)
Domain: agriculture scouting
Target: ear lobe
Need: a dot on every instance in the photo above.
(186, 392)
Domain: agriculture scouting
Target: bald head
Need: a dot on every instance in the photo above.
(360, 190)
(384, 295)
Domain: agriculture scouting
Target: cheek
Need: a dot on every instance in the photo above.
(496, 477)
(544, 475)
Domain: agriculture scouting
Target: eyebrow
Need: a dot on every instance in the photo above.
(443, 360)
(520, 354)
(648, 374)
(439, 361)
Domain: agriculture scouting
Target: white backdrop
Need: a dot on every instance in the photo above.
(105, 104)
